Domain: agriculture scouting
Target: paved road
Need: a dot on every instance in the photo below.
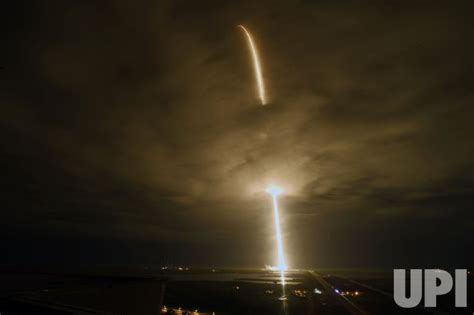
(348, 305)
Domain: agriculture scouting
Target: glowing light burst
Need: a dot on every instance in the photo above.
(274, 191)
(256, 62)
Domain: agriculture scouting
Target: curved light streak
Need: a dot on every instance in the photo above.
(256, 62)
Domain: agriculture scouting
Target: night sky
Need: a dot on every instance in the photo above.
(133, 134)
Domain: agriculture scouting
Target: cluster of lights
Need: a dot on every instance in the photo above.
(300, 293)
(175, 268)
(179, 311)
(348, 293)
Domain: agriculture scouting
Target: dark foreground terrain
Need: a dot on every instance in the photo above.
(191, 291)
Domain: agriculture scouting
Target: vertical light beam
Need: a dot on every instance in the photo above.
(256, 62)
(274, 191)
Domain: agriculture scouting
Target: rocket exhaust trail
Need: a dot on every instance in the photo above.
(274, 192)
(276, 214)
(256, 62)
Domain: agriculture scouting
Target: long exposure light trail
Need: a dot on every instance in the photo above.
(256, 62)
(274, 191)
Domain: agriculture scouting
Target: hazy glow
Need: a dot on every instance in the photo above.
(256, 62)
(274, 191)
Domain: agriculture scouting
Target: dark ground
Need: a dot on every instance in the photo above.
(220, 291)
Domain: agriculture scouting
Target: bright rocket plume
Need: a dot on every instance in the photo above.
(256, 62)
(274, 191)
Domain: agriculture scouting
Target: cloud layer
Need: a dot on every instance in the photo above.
(141, 125)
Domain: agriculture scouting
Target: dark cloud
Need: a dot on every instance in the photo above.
(139, 125)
